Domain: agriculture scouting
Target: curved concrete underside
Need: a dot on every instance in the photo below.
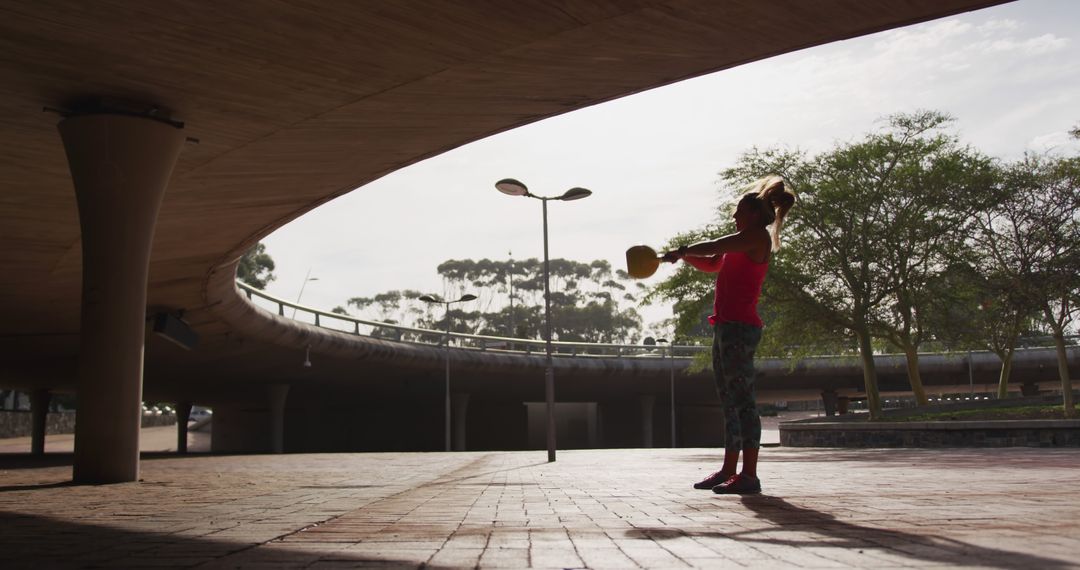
(295, 103)
(350, 363)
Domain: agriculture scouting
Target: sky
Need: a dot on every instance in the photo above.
(1010, 75)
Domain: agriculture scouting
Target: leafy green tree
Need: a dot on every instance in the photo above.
(256, 267)
(587, 299)
(990, 303)
(590, 302)
(828, 271)
(1046, 197)
(982, 307)
(877, 220)
(932, 186)
(391, 307)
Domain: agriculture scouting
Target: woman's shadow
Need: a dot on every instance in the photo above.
(834, 533)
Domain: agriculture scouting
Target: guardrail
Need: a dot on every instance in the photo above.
(401, 333)
(414, 335)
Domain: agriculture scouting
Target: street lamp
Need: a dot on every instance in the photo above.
(671, 361)
(436, 299)
(307, 277)
(512, 187)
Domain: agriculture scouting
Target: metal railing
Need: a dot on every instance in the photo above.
(431, 337)
(401, 333)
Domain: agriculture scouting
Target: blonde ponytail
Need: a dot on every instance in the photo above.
(774, 201)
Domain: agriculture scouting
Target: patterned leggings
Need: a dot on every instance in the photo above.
(733, 367)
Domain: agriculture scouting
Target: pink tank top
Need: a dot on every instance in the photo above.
(738, 287)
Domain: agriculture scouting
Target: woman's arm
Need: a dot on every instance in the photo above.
(749, 241)
(709, 264)
(746, 241)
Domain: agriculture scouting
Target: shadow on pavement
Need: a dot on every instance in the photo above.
(32, 541)
(485, 474)
(66, 459)
(36, 486)
(833, 533)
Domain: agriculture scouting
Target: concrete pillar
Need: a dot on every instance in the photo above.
(183, 414)
(120, 165)
(276, 395)
(601, 441)
(461, 408)
(648, 402)
(39, 414)
(592, 424)
(829, 400)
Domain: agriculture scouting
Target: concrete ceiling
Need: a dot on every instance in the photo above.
(295, 102)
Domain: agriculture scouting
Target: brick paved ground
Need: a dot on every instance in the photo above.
(993, 508)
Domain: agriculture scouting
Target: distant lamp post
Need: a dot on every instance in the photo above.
(436, 299)
(307, 277)
(671, 361)
(512, 187)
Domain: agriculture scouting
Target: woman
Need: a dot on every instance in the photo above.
(740, 261)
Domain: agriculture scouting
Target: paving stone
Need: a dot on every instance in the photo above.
(1000, 508)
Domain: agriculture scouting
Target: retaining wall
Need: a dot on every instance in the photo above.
(17, 423)
(997, 433)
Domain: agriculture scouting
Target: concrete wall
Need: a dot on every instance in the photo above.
(1017, 433)
(17, 423)
(313, 424)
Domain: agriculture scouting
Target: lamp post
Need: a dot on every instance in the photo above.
(671, 361)
(510, 274)
(307, 277)
(512, 187)
(436, 299)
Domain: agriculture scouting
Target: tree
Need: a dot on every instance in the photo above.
(587, 300)
(256, 267)
(992, 298)
(932, 186)
(874, 225)
(828, 271)
(981, 306)
(391, 307)
(1046, 238)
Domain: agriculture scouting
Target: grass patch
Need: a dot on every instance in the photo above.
(1046, 412)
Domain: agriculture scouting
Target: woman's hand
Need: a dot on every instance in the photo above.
(674, 255)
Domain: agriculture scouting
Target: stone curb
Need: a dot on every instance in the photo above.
(940, 425)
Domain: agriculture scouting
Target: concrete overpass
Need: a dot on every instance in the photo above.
(360, 389)
(192, 129)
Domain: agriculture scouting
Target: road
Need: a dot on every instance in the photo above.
(162, 438)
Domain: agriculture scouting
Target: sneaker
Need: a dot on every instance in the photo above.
(713, 480)
(739, 485)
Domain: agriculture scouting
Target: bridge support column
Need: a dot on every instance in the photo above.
(829, 400)
(39, 417)
(120, 165)
(183, 414)
(592, 424)
(648, 403)
(1029, 388)
(461, 407)
(276, 394)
